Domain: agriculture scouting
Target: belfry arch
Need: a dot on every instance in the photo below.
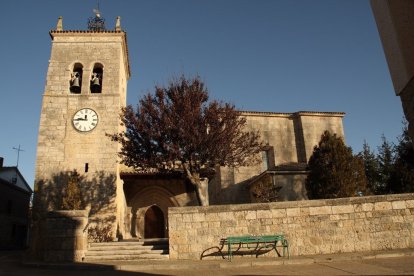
(76, 75)
(97, 76)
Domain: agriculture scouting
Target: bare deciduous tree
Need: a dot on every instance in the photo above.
(178, 128)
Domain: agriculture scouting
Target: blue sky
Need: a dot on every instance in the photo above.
(278, 56)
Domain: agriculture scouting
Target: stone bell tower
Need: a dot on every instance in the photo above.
(85, 90)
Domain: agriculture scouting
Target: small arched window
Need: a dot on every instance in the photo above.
(76, 78)
(97, 78)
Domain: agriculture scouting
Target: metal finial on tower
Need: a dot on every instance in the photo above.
(96, 23)
(97, 12)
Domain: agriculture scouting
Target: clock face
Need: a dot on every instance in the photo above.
(85, 120)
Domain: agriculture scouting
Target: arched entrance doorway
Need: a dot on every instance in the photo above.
(154, 224)
(149, 196)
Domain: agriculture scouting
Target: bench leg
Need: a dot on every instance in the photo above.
(286, 247)
(219, 250)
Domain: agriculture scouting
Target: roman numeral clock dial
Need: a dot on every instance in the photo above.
(85, 120)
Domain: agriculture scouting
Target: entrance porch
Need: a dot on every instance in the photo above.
(148, 197)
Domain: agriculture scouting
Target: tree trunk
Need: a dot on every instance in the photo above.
(200, 183)
(202, 191)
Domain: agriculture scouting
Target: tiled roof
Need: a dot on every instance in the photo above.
(150, 173)
(291, 167)
(287, 168)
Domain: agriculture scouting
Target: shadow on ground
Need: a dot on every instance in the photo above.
(11, 264)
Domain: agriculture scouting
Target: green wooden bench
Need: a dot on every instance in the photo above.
(256, 244)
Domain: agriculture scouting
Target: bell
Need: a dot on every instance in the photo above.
(95, 84)
(96, 81)
(75, 85)
(75, 82)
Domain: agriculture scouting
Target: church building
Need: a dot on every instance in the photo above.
(86, 88)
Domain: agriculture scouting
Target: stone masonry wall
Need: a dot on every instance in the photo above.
(292, 137)
(66, 236)
(311, 227)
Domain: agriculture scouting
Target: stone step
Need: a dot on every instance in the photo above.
(115, 243)
(127, 257)
(149, 241)
(125, 252)
(154, 249)
(120, 246)
(154, 242)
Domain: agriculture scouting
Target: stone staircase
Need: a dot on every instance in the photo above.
(128, 250)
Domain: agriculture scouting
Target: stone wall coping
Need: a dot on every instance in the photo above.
(299, 113)
(67, 213)
(290, 204)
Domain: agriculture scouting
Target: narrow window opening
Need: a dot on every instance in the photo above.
(268, 158)
(265, 165)
(96, 79)
(86, 167)
(76, 79)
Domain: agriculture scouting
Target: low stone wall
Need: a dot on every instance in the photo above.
(311, 227)
(66, 236)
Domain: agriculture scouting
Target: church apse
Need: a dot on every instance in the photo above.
(292, 137)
